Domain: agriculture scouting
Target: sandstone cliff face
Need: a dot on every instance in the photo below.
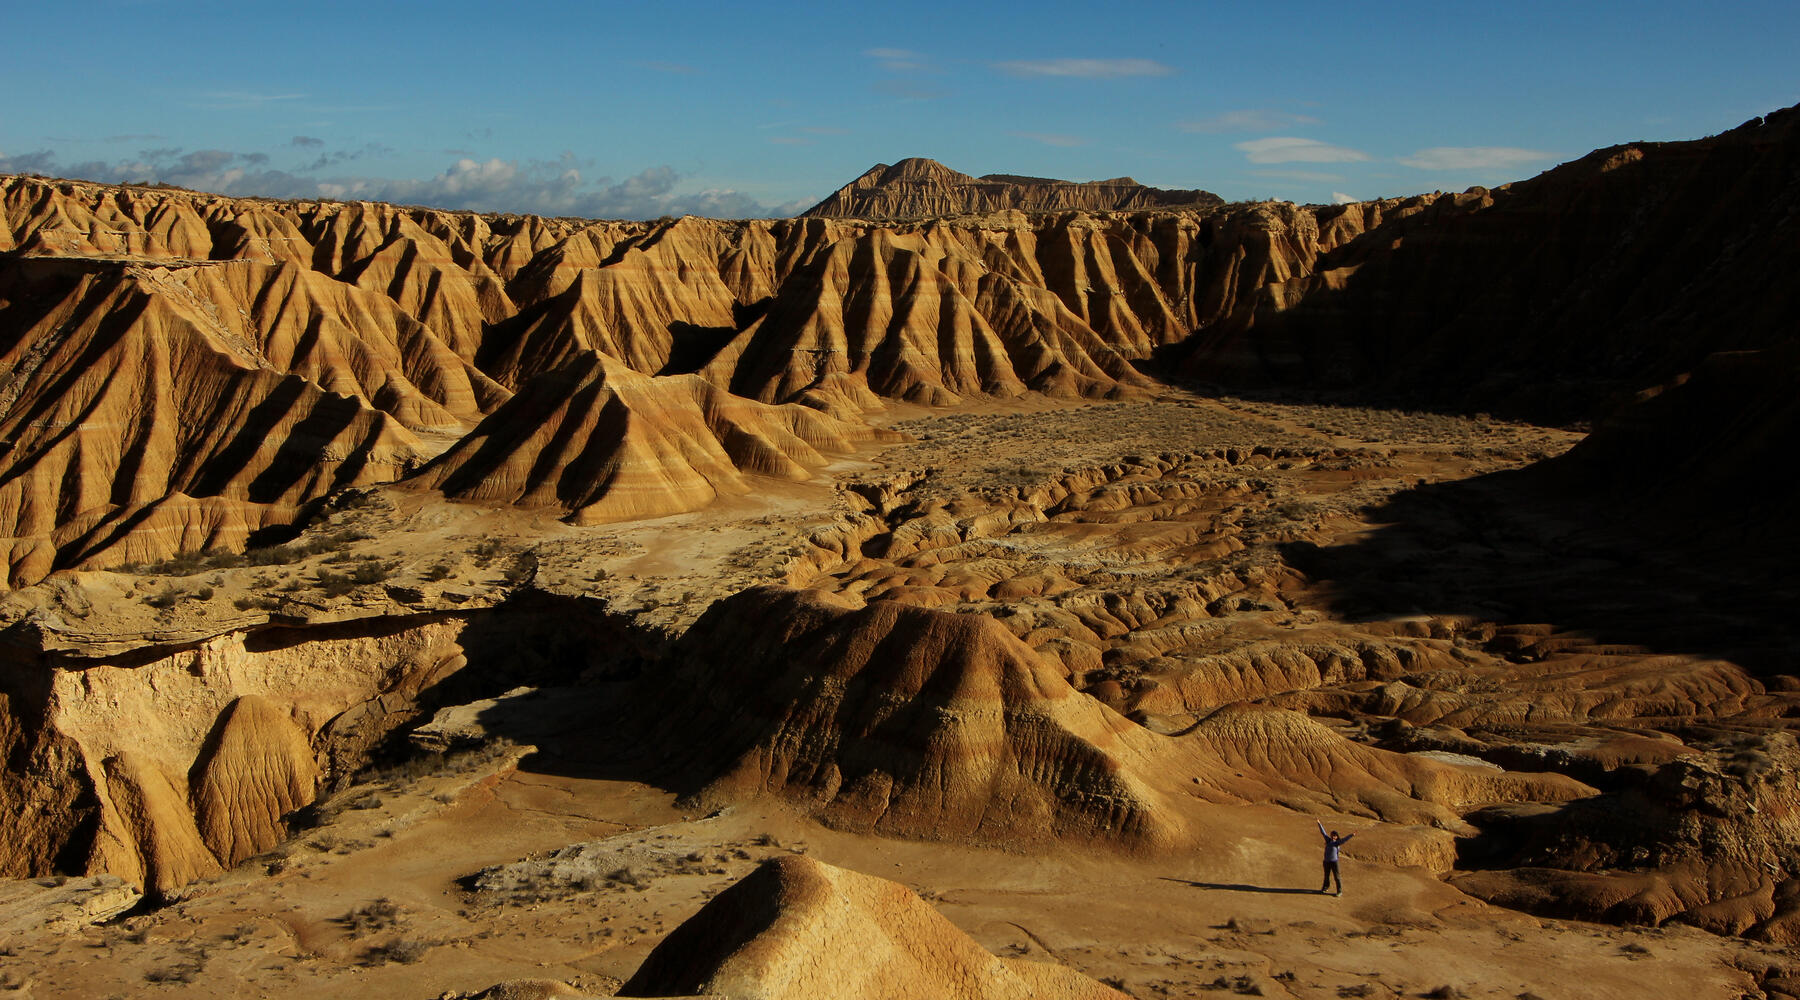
(917, 188)
(167, 765)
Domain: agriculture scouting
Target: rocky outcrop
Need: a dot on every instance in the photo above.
(917, 188)
(165, 765)
(913, 722)
(1705, 840)
(255, 769)
(798, 928)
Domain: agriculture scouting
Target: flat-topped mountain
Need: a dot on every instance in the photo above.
(917, 187)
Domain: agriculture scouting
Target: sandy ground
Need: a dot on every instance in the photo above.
(1238, 917)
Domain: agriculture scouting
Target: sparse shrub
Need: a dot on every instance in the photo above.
(381, 914)
(403, 950)
(165, 598)
(366, 572)
(180, 972)
(520, 569)
(628, 876)
(437, 572)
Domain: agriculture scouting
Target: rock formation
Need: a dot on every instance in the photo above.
(1554, 298)
(920, 723)
(801, 929)
(606, 443)
(918, 188)
(167, 764)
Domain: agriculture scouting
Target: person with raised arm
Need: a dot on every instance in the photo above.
(1332, 843)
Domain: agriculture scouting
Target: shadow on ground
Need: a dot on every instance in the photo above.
(1241, 887)
(1540, 546)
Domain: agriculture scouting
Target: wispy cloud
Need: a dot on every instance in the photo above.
(1318, 176)
(825, 130)
(1088, 69)
(909, 89)
(1340, 198)
(234, 100)
(1050, 138)
(306, 141)
(901, 60)
(1474, 158)
(136, 137)
(1254, 120)
(1287, 149)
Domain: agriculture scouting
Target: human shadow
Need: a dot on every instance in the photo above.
(1274, 890)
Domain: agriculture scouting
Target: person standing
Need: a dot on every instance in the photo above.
(1332, 843)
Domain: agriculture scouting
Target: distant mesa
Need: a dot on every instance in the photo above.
(917, 188)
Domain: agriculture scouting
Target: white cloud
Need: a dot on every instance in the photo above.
(1474, 158)
(1091, 69)
(1340, 198)
(1286, 149)
(542, 187)
(1255, 120)
(1050, 138)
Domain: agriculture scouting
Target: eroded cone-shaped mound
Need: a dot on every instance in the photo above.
(919, 723)
(797, 929)
(607, 444)
(257, 768)
(163, 851)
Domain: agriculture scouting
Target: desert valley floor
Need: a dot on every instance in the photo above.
(543, 847)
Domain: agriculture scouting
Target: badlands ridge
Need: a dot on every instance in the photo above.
(389, 581)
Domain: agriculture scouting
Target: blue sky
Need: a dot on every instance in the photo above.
(644, 109)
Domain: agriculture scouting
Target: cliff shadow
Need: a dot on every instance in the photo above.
(1611, 569)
